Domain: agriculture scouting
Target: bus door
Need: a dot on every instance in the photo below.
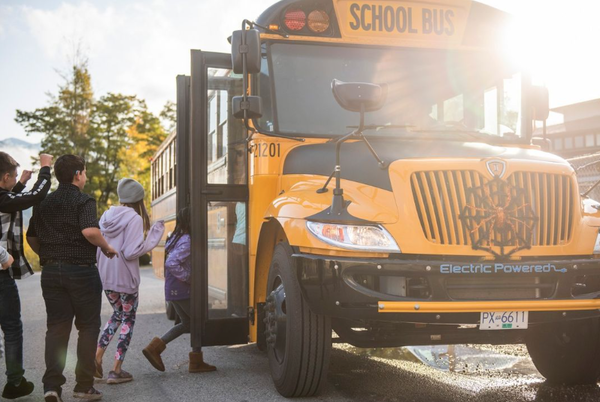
(218, 198)
(182, 144)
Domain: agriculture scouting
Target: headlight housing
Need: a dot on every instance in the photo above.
(354, 237)
(597, 245)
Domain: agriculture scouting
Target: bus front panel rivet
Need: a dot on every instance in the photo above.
(437, 317)
(381, 306)
(336, 266)
(337, 303)
(379, 267)
(564, 313)
(428, 268)
(417, 307)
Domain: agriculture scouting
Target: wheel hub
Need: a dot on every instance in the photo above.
(276, 322)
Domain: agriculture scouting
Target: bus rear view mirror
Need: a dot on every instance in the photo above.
(359, 96)
(252, 104)
(249, 46)
(540, 102)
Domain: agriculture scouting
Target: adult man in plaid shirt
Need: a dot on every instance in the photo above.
(13, 200)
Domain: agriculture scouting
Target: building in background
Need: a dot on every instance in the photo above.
(579, 134)
(577, 139)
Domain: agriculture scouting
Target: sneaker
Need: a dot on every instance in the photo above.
(16, 391)
(52, 396)
(118, 378)
(91, 394)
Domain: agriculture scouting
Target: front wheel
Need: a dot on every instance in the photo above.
(567, 353)
(298, 341)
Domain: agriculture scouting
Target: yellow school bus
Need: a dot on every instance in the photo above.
(367, 167)
(163, 174)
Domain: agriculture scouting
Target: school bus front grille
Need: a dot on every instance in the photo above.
(441, 196)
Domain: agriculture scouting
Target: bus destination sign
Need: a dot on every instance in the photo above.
(438, 22)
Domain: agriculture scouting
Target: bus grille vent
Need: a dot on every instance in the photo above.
(500, 288)
(441, 196)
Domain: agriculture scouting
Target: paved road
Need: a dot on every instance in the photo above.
(428, 374)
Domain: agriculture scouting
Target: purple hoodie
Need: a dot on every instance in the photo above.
(124, 230)
(178, 268)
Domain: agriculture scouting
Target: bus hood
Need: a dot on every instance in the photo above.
(360, 166)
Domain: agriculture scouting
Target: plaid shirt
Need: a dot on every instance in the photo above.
(11, 218)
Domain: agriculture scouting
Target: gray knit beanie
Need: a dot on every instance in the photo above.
(129, 191)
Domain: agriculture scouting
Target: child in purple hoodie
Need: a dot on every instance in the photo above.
(124, 227)
(178, 275)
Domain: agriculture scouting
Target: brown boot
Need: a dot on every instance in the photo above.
(197, 364)
(153, 351)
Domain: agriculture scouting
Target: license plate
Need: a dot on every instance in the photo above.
(490, 320)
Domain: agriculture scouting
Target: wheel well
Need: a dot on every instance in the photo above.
(271, 233)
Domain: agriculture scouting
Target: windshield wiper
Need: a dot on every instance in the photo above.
(383, 126)
(452, 128)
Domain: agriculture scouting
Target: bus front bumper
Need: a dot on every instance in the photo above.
(454, 292)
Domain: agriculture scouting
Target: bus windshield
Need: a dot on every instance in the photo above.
(447, 92)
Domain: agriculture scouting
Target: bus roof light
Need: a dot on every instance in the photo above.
(295, 19)
(318, 21)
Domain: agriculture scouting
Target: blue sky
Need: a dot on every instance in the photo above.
(139, 46)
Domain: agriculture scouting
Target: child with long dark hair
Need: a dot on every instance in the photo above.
(124, 226)
(178, 275)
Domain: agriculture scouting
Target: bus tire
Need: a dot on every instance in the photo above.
(298, 341)
(171, 313)
(567, 353)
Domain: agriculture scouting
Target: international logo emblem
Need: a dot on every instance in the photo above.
(496, 167)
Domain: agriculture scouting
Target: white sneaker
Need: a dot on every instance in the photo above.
(52, 396)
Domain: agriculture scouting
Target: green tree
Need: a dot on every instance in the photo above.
(168, 116)
(65, 121)
(108, 132)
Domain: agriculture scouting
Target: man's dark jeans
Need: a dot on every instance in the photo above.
(71, 291)
(10, 322)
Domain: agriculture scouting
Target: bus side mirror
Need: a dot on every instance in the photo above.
(540, 101)
(359, 96)
(248, 47)
(252, 104)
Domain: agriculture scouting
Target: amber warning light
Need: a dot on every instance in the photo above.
(296, 19)
(318, 21)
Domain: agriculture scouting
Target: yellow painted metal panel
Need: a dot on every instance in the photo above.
(437, 22)
(538, 209)
(455, 203)
(440, 216)
(421, 206)
(430, 203)
(448, 215)
(479, 306)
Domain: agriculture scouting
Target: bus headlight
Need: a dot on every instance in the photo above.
(354, 237)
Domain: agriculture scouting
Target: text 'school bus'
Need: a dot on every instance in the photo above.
(367, 167)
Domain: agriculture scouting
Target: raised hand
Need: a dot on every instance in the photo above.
(46, 160)
(25, 176)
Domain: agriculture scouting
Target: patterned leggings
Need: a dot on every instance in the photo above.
(125, 306)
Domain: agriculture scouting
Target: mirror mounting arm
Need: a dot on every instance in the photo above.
(359, 134)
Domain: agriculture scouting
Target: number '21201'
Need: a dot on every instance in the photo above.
(264, 150)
